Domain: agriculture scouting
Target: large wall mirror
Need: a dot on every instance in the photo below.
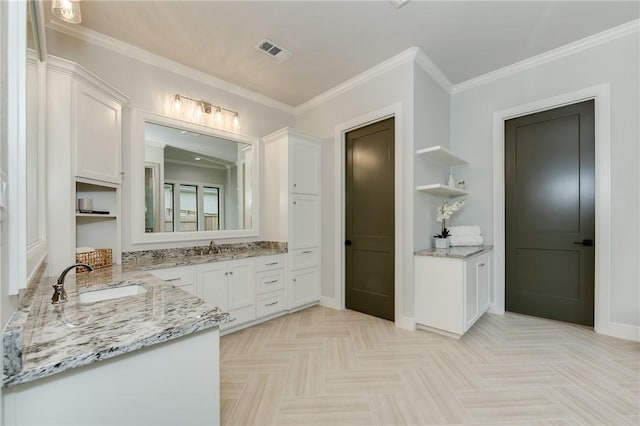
(191, 182)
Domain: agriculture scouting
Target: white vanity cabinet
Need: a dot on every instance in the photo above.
(83, 137)
(271, 290)
(292, 186)
(183, 277)
(97, 136)
(230, 286)
(451, 293)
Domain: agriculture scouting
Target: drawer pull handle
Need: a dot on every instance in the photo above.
(271, 304)
(271, 264)
(482, 264)
(172, 279)
(231, 320)
(271, 282)
(307, 252)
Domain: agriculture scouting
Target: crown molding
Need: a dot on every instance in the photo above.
(432, 69)
(150, 58)
(551, 55)
(65, 66)
(377, 70)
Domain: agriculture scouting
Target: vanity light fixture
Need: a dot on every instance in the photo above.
(67, 10)
(204, 107)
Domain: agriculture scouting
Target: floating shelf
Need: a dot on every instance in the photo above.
(441, 155)
(442, 190)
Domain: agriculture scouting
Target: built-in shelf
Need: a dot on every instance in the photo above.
(442, 190)
(106, 216)
(441, 155)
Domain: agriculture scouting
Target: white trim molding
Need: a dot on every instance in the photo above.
(340, 132)
(147, 57)
(551, 55)
(602, 309)
(411, 54)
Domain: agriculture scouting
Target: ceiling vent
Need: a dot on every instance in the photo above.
(270, 48)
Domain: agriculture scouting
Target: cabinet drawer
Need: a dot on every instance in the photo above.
(305, 258)
(269, 281)
(179, 276)
(268, 263)
(270, 303)
(240, 316)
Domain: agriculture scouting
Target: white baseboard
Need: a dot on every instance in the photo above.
(621, 331)
(406, 323)
(329, 302)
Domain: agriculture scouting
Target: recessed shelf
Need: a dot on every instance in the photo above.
(442, 190)
(106, 216)
(441, 155)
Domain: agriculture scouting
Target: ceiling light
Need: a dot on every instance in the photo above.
(197, 158)
(67, 10)
(235, 120)
(176, 105)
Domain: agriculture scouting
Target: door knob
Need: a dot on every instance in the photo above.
(347, 243)
(587, 243)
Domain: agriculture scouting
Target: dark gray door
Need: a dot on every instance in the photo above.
(370, 222)
(550, 219)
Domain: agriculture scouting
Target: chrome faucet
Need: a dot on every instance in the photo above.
(211, 246)
(59, 294)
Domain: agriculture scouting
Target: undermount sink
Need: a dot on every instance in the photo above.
(111, 293)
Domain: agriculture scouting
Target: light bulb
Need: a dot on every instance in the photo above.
(197, 111)
(235, 120)
(176, 105)
(218, 115)
(67, 10)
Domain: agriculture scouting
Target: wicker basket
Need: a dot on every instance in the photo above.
(99, 258)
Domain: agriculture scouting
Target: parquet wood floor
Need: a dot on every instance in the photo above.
(326, 367)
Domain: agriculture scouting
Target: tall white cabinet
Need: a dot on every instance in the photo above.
(292, 162)
(84, 139)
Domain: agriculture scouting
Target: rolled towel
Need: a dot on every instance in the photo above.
(466, 240)
(459, 231)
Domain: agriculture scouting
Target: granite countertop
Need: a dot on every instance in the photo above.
(454, 252)
(42, 339)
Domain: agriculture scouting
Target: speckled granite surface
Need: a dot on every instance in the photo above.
(42, 339)
(454, 252)
(167, 258)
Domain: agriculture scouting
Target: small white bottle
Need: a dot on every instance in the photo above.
(452, 181)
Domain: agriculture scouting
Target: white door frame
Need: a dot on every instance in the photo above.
(341, 130)
(601, 95)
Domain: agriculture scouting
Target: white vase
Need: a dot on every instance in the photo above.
(451, 181)
(442, 243)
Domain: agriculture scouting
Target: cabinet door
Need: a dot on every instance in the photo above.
(305, 222)
(212, 284)
(304, 287)
(471, 293)
(98, 134)
(305, 167)
(484, 276)
(241, 283)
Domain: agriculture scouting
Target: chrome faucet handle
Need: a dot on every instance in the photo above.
(59, 293)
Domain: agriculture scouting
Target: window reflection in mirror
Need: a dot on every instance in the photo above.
(195, 182)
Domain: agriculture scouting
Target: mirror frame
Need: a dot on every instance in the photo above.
(138, 236)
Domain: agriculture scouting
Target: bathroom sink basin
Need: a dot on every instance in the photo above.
(111, 293)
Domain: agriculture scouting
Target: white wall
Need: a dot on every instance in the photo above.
(616, 62)
(392, 87)
(149, 88)
(431, 124)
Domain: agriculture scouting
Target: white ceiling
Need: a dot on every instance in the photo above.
(334, 41)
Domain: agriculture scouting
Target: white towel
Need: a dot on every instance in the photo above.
(460, 231)
(466, 240)
(84, 249)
